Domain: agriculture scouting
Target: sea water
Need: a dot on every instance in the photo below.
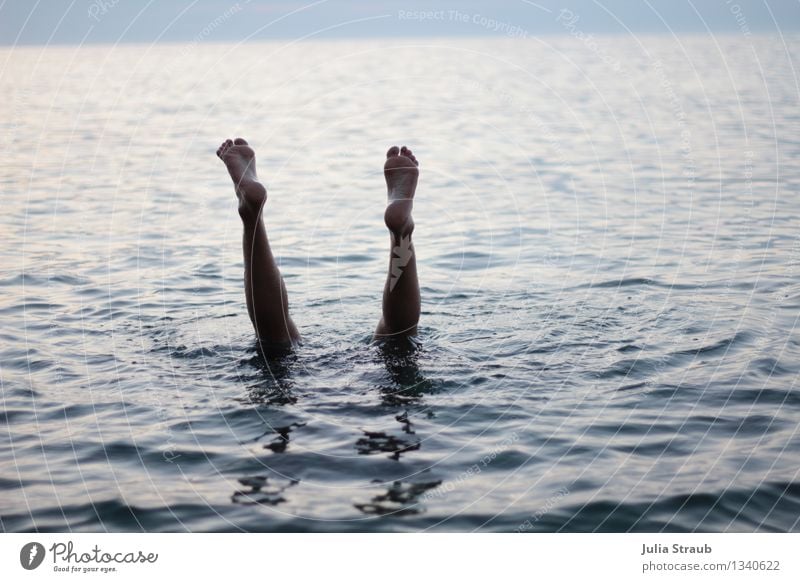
(607, 240)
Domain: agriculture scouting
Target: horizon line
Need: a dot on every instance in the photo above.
(366, 37)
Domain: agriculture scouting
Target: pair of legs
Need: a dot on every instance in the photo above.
(267, 300)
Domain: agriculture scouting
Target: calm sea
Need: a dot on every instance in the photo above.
(607, 236)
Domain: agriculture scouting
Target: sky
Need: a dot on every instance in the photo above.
(111, 21)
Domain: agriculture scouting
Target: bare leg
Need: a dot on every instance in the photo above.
(401, 301)
(267, 302)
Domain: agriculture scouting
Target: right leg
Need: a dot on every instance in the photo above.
(401, 298)
(267, 302)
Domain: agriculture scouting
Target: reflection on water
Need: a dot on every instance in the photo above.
(281, 441)
(272, 383)
(260, 491)
(380, 442)
(399, 499)
(406, 383)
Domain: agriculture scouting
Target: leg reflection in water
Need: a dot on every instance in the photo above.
(407, 384)
(272, 379)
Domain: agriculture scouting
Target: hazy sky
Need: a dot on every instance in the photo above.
(92, 21)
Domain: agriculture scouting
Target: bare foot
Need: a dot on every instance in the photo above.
(401, 299)
(240, 159)
(401, 173)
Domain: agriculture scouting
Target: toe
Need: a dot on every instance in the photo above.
(240, 141)
(404, 151)
(393, 151)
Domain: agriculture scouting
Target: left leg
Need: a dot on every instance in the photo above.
(265, 292)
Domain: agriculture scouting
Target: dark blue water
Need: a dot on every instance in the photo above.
(608, 249)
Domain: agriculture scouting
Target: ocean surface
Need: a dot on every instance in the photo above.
(607, 237)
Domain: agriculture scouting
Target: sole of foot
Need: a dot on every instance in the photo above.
(240, 159)
(401, 171)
